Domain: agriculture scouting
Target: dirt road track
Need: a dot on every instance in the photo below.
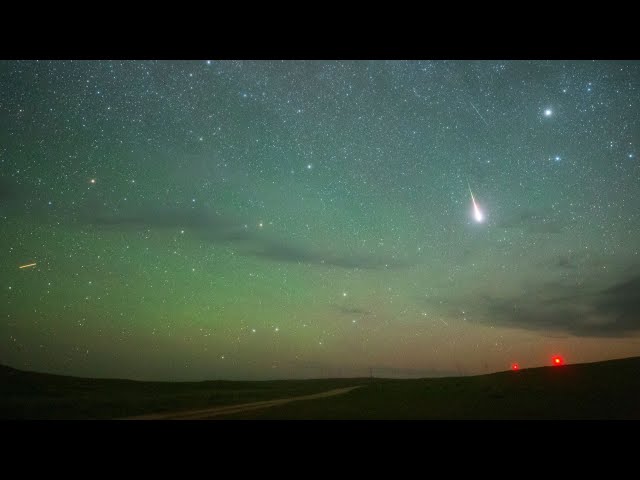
(205, 413)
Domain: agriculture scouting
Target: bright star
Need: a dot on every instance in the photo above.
(548, 112)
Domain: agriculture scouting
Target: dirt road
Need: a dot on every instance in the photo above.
(203, 414)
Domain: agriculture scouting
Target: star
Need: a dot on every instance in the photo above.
(548, 112)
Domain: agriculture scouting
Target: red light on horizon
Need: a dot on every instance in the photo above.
(557, 361)
(515, 366)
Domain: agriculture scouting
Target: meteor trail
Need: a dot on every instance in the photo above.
(477, 213)
(28, 265)
(474, 107)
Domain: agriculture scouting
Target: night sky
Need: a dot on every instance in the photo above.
(210, 219)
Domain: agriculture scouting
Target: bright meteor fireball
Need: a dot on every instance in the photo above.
(477, 213)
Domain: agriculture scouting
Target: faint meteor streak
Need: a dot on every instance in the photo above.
(474, 107)
(28, 265)
(477, 213)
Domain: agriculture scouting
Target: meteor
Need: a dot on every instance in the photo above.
(474, 107)
(28, 265)
(477, 213)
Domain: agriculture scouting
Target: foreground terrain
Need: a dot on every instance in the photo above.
(602, 390)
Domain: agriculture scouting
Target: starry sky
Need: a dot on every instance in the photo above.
(218, 219)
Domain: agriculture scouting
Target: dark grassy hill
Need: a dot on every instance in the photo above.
(602, 390)
(607, 390)
(30, 395)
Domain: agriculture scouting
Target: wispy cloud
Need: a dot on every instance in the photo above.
(224, 228)
(609, 312)
(533, 221)
(351, 310)
(287, 252)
